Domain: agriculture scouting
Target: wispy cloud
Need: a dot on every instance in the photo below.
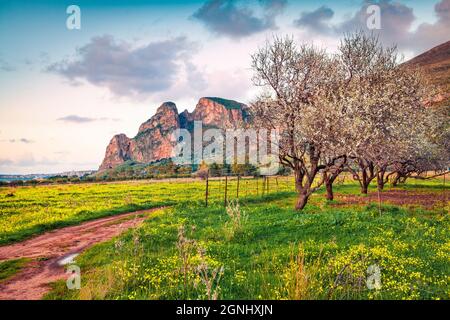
(26, 160)
(227, 18)
(73, 118)
(316, 20)
(21, 140)
(6, 67)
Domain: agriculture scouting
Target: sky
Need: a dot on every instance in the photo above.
(65, 92)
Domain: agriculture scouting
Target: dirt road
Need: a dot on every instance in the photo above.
(49, 251)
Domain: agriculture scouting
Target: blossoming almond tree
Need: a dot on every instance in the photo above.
(358, 110)
(385, 104)
(300, 85)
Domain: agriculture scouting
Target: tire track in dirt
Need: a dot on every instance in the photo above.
(50, 248)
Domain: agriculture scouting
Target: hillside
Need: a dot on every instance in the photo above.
(436, 65)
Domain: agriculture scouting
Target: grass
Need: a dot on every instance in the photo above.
(261, 249)
(11, 267)
(31, 210)
(323, 252)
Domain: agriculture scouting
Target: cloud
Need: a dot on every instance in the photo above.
(316, 20)
(225, 17)
(21, 140)
(397, 21)
(24, 140)
(126, 70)
(76, 119)
(5, 162)
(429, 35)
(79, 119)
(6, 67)
(26, 160)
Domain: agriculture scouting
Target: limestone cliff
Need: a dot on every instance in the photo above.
(153, 141)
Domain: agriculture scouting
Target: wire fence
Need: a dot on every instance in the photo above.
(229, 188)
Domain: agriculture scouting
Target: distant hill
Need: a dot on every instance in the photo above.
(39, 176)
(436, 64)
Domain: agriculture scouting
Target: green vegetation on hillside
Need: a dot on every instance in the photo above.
(229, 104)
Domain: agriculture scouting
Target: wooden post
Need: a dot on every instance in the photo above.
(237, 188)
(206, 191)
(276, 180)
(246, 188)
(264, 185)
(445, 196)
(226, 191)
(257, 189)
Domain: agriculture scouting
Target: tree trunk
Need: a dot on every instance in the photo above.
(367, 175)
(380, 184)
(364, 188)
(329, 187)
(381, 179)
(302, 199)
(394, 182)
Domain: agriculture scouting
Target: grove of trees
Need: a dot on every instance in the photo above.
(358, 110)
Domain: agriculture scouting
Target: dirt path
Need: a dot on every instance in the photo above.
(50, 249)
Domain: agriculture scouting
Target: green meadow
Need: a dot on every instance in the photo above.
(256, 248)
(30, 210)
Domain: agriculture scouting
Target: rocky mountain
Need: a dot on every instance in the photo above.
(153, 141)
(436, 65)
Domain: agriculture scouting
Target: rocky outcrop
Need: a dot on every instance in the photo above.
(221, 113)
(166, 118)
(117, 152)
(154, 139)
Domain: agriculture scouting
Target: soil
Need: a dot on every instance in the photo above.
(396, 197)
(50, 249)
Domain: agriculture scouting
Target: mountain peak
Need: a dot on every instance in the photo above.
(168, 105)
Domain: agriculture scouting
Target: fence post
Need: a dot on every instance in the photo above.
(257, 189)
(226, 190)
(264, 186)
(246, 188)
(237, 188)
(207, 191)
(276, 180)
